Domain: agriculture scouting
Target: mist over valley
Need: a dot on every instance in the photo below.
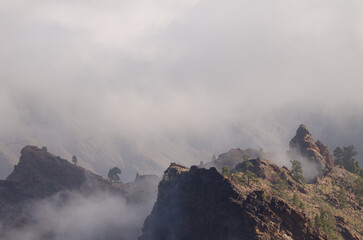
(174, 93)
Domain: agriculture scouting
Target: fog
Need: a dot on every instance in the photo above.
(138, 84)
(75, 216)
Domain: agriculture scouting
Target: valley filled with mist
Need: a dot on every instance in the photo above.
(139, 85)
(142, 85)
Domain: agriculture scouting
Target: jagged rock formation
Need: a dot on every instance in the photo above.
(235, 156)
(203, 204)
(303, 144)
(40, 174)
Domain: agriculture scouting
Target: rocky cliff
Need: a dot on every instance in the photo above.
(40, 175)
(258, 200)
(202, 204)
(303, 144)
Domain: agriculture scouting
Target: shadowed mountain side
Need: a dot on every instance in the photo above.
(202, 204)
(40, 175)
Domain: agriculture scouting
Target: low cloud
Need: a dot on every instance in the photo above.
(76, 217)
(177, 80)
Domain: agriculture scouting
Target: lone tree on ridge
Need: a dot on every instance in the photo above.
(113, 174)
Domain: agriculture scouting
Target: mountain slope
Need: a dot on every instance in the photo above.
(257, 199)
(202, 204)
(44, 187)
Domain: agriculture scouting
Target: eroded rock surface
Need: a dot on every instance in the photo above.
(40, 175)
(303, 144)
(200, 203)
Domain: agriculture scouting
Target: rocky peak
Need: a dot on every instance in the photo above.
(263, 168)
(303, 130)
(41, 174)
(174, 170)
(303, 144)
(38, 175)
(235, 156)
(200, 203)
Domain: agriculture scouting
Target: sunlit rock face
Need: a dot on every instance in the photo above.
(303, 144)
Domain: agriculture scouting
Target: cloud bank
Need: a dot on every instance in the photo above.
(77, 217)
(177, 80)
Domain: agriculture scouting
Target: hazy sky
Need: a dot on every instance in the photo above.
(199, 70)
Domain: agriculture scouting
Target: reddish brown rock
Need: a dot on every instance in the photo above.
(303, 144)
(324, 151)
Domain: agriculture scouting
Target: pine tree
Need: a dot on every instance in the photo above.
(296, 171)
(295, 200)
(338, 155)
(345, 157)
(251, 176)
(113, 174)
(225, 171)
(342, 197)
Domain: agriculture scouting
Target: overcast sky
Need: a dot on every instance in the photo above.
(148, 69)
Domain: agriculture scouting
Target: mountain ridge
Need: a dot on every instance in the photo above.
(257, 199)
(40, 175)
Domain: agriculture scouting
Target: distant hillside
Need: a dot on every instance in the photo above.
(43, 178)
(99, 155)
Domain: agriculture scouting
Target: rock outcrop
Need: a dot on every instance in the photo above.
(265, 169)
(200, 203)
(303, 144)
(40, 174)
(235, 156)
